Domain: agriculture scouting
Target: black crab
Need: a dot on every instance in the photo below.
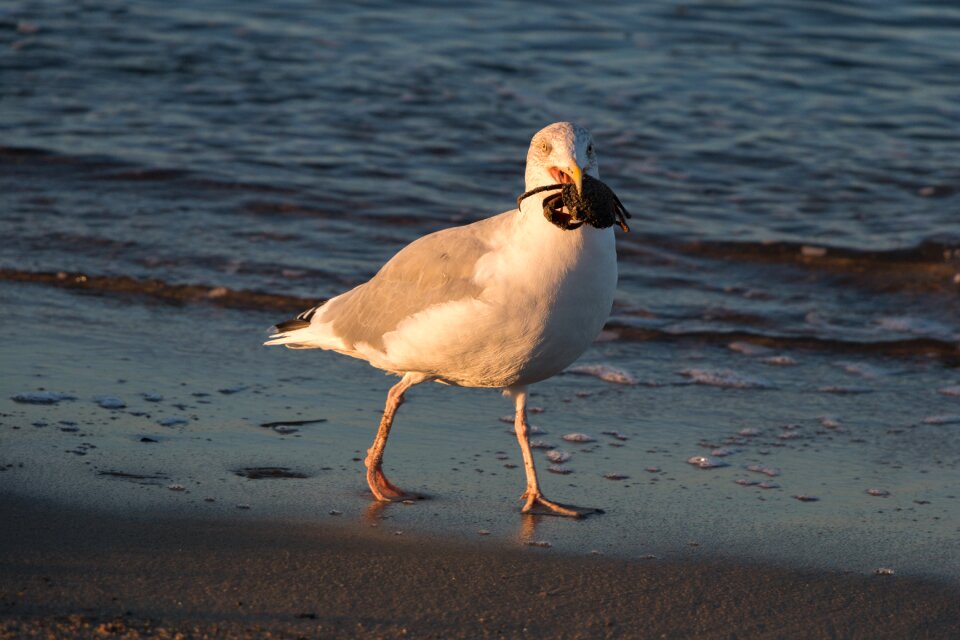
(597, 205)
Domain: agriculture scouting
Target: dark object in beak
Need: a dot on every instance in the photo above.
(597, 205)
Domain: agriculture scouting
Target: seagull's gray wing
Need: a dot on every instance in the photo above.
(435, 269)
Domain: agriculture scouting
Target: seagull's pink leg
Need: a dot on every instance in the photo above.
(532, 495)
(382, 489)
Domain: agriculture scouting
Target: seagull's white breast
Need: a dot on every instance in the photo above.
(577, 276)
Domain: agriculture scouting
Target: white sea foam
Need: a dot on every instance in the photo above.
(725, 378)
(811, 251)
(830, 422)
(864, 369)
(109, 402)
(605, 372)
(543, 544)
(917, 326)
(749, 349)
(767, 471)
(704, 462)
(285, 430)
(779, 361)
(42, 397)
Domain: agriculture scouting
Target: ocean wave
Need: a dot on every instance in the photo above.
(932, 265)
(104, 168)
(156, 289)
(947, 350)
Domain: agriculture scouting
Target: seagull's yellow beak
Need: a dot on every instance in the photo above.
(577, 175)
(571, 173)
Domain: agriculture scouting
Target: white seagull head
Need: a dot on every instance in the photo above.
(561, 153)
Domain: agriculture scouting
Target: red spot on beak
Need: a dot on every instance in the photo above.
(559, 176)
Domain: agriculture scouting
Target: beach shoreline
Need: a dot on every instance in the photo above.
(79, 573)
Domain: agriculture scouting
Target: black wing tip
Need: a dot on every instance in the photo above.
(309, 313)
(291, 325)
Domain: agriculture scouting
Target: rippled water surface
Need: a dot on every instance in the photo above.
(175, 177)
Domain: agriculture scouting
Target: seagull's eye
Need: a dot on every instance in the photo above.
(590, 150)
(545, 147)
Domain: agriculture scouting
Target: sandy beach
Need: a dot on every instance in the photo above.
(77, 574)
(769, 419)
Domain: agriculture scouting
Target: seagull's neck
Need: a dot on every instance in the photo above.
(531, 208)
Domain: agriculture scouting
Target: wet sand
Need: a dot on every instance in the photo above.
(75, 573)
(205, 404)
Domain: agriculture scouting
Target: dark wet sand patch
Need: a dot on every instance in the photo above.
(290, 423)
(172, 574)
(139, 478)
(263, 473)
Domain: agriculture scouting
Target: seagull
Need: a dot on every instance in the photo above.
(503, 303)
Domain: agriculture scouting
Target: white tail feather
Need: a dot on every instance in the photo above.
(318, 335)
(292, 339)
